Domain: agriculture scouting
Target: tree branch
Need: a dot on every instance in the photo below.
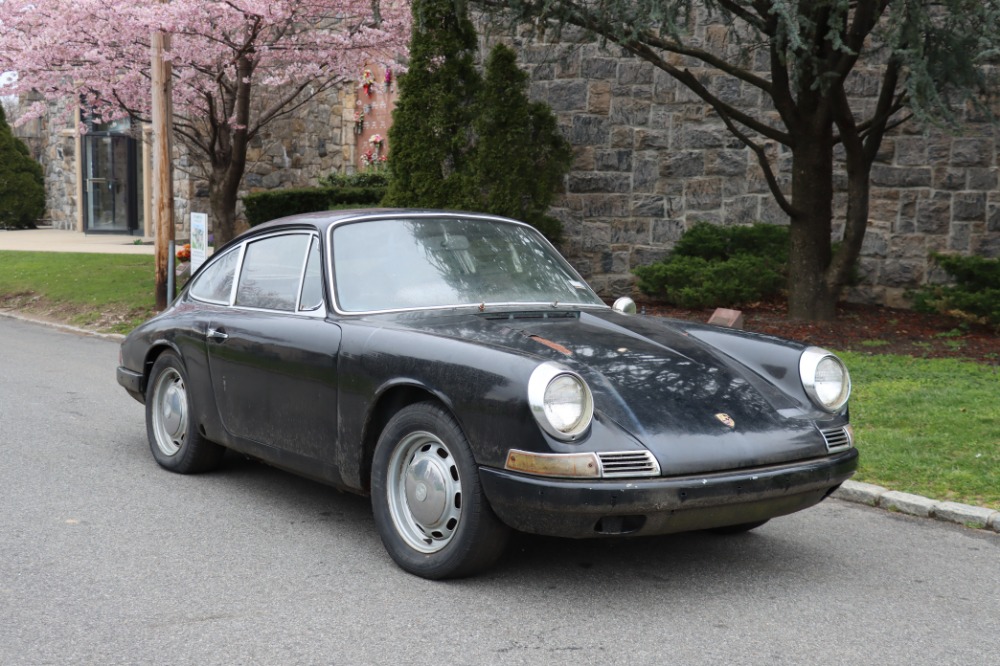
(738, 10)
(709, 59)
(691, 81)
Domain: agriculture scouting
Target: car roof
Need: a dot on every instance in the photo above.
(324, 219)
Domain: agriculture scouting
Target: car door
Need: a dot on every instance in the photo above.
(272, 353)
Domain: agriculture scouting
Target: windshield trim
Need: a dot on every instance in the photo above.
(485, 308)
(481, 306)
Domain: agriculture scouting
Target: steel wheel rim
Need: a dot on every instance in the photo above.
(170, 412)
(424, 490)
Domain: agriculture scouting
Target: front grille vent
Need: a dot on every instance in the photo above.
(837, 439)
(621, 464)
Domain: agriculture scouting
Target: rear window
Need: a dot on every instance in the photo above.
(215, 283)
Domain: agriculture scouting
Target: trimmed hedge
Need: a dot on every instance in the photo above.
(262, 207)
(373, 179)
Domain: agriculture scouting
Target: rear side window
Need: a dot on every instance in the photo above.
(272, 271)
(215, 283)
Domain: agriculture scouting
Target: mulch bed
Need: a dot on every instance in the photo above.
(866, 328)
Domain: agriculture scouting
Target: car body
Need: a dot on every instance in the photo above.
(456, 368)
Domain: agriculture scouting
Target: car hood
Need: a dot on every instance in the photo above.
(696, 408)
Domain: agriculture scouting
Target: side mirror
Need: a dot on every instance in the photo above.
(625, 305)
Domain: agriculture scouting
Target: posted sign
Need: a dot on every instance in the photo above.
(199, 240)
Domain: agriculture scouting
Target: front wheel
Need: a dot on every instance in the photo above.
(427, 499)
(173, 434)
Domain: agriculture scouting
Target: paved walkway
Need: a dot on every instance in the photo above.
(58, 240)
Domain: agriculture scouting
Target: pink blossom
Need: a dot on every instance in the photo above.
(98, 50)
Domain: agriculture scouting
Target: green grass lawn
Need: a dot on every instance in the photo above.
(925, 426)
(108, 292)
(928, 426)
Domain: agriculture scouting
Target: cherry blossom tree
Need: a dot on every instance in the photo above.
(237, 65)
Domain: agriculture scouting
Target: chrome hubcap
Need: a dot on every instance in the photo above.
(424, 492)
(170, 412)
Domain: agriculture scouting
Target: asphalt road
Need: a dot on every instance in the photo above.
(107, 559)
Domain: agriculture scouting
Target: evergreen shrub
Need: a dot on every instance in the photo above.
(470, 141)
(713, 266)
(431, 134)
(974, 294)
(22, 184)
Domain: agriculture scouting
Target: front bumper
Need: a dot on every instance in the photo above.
(588, 508)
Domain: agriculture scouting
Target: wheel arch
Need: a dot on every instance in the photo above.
(152, 354)
(388, 403)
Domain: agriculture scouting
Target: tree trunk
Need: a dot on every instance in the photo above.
(856, 223)
(229, 156)
(222, 191)
(809, 295)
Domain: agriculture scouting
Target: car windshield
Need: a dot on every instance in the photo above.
(397, 264)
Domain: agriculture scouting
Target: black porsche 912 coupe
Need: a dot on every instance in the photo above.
(456, 368)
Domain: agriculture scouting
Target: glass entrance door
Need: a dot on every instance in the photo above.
(112, 183)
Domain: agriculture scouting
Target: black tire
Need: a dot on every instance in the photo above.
(173, 434)
(738, 529)
(427, 498)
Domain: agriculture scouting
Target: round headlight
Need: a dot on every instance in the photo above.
(825, 379)
(560, 400)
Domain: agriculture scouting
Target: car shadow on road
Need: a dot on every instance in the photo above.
(775, 554)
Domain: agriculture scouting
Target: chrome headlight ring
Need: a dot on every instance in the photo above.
(560, 401)
(825, 379)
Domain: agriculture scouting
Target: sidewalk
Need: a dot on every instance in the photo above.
(58, 240)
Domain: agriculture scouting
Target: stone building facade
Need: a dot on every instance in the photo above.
(652, 159)
(290, 152)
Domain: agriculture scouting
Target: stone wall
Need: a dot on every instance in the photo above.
(652, 159)
(52, 140)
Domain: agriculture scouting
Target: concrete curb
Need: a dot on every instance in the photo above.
(117, 337)
(974, 517)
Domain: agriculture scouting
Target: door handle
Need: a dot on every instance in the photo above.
(218, 334)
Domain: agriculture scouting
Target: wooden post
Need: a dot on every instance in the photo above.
(163, 183)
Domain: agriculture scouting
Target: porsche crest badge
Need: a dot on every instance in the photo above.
(726, 419)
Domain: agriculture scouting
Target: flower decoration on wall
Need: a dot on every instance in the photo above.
(359, 122)
(388, 79)
(372, 160)
(368, 82)
(376, 141)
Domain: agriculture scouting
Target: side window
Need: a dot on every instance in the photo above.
(215, 283)
(312, 281)
(271, 270)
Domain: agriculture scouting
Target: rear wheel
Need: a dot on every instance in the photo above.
(173, 435)
(427, 499)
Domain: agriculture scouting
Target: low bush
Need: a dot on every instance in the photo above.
(373, 179)
(713, 266)
(974, 293)
(261, 207)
